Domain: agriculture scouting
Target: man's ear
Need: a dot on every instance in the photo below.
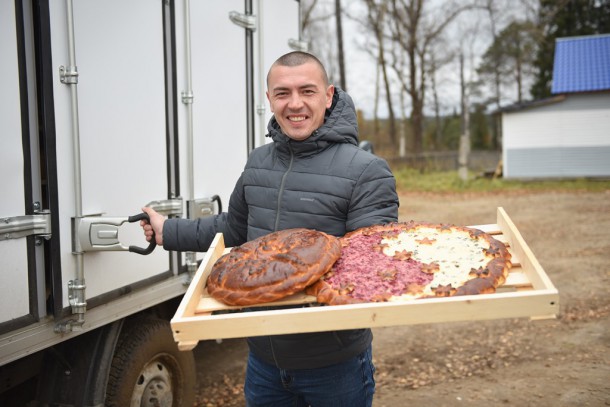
(269, 100)
(330, 92)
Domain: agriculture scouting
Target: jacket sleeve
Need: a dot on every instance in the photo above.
(374, 198)
(187, 235)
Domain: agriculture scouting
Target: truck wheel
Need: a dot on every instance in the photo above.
(148, 369)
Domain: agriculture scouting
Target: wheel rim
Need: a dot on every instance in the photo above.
(154, 386)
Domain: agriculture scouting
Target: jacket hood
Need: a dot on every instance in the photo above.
(340, 126)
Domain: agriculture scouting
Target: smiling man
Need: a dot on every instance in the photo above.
(313, 175)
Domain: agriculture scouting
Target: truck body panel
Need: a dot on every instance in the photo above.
(91, 136)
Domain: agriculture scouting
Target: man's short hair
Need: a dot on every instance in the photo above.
(296, 58)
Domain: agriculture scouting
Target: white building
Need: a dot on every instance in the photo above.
(567, 135)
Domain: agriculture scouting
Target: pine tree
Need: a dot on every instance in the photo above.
(566, 18)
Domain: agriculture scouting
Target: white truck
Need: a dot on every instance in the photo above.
(106, 107)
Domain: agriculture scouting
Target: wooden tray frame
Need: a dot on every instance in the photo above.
(528, 292)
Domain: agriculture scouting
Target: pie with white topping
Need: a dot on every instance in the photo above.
(411, 260)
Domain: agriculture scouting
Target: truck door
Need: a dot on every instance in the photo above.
(88, 138)
(221, 57)
(21, 215)
(122, 132)
(94, 126)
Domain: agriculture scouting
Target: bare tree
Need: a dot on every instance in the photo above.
(491, 7)
(398, 60)
(369, 46)
(415, 34)
(468, 89)
(492, 11)
(438, 129)
(376, 103)
(438, 58)
(306, 11)
(402, 127)
(376, 20)
(321, 36)
(511, 55)
(464, 147)
(340, 49)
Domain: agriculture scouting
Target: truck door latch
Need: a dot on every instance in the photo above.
(101, 233)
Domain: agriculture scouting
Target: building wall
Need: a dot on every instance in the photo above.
(566, 139)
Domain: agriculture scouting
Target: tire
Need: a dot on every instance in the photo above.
(148, 369)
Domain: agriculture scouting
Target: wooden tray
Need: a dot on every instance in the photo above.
(527, 292)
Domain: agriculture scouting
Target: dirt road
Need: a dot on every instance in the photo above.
(559, 362)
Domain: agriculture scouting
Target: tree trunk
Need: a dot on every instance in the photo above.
(402, 144)
(464, 149)
(416, 101)
(438, 133)
(340, 45)
(376, 15)
(376, 105)
(388, 95)
(417, 123)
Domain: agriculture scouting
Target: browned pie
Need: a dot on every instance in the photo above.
(406, 261)
(273, 266)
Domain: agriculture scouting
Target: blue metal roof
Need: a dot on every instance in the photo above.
(582, 64)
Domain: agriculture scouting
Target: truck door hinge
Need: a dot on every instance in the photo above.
(167, 207)
(200, 208)
(16, 227)
(298, 45)
(68, 75)
(247, 21)
(188, 97)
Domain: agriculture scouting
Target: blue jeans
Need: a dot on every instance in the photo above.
(350, 384)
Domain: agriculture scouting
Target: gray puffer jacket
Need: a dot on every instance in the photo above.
(325, 183)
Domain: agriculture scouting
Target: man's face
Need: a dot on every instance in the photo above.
(299, 97)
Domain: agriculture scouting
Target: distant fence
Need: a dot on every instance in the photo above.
(479, 160)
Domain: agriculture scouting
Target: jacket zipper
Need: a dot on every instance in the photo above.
(273, 353)
(281, 191)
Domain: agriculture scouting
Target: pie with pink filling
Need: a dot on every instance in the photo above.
(411, 260)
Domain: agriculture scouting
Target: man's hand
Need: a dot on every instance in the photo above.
(156, 224)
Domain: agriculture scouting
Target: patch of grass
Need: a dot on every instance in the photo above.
(412, 180)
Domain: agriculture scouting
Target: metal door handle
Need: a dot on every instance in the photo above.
(100, 233)
(153, 242)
